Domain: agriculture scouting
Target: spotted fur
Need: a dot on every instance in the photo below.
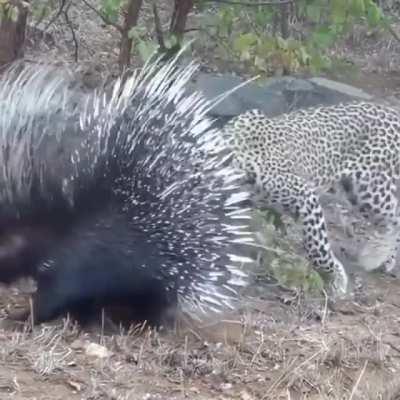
(293, 157)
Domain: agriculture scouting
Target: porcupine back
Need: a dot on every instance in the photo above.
(141, 192)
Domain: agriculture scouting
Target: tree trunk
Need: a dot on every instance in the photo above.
(12, 34)
(130, 20)
(182, 9)
(285, 12)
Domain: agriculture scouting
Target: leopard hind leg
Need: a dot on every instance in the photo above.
(373, 195)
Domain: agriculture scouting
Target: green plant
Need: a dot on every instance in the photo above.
(279, 256)
(251, 34)
(146, 46)
(42, 9)
(8, 11)
(111, 9)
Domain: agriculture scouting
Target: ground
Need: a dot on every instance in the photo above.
(276, 347)
(269, 350)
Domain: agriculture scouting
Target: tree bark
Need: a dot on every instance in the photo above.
(285, 12)
(12, 35)
(182, 9)
(130, 20)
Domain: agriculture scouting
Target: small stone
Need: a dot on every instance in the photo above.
(96, 350)
(226, 386)
(244, 395)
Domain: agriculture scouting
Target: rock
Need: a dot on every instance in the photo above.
(303, 93)
(343, 88)
(274, 96)
(98, 351)
(246, 98)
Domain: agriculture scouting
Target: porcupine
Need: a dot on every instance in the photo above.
(126, 199)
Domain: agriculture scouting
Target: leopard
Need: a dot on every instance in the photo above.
(292, 158)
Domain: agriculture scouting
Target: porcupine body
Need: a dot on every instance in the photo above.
(126, 199)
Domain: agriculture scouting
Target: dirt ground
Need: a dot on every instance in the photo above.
(275, 347)
(271, 349)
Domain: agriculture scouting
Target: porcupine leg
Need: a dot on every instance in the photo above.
(55, 298)
(21, 249)
(97, 263)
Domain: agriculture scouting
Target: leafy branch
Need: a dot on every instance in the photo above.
(103, 16)
(250, 4)
(263, 40)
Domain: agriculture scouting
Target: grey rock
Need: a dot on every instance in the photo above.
(342, 88)
(274, 96)
(245, 98)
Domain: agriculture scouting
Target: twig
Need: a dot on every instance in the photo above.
(393, 33)
(32, 312)
(280, 379)
(74, 38)
(391, 345)
(325, 313)
(355, 387)
(54, 19)
(199, 29)
(103, 17)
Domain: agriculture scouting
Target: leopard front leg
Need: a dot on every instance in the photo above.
(316, 242)
(295, 196)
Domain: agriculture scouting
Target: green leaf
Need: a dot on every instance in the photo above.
(13, 14)
(281, 43)
(262, 65)
(303, 55)
(313, 11)
(357, 8)
(315, 282)
(110, 8)
(137, 33)
(292, 44)
(323, 37)
(226, 20)
(245, 55)
(171, 41)
(263, 17)
(146, 49)
(339, 11)
(243, 42)
(266, 46)
(374, 15)
(319, 62)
